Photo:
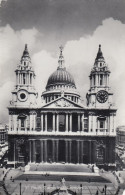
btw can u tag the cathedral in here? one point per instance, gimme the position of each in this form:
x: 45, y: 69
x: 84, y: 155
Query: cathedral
x: 62, y: 129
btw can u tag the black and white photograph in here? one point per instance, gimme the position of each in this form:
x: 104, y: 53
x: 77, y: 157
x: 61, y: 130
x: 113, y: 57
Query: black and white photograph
x: 62, y: 97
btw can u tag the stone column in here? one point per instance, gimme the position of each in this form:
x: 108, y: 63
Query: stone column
x: 90, y: 152
x: 114, y: 122
x: 110, y: 123
x: 45, y: 150
x: 29, y: 79
x: 57, y: 122
x: 81, y: 152
x: 71, y: 122
x: 41, y: 150
x: 46, y: 122
x: 66, y: 122
x: 94, y: 151
x: 30, y: 151
x: 66, y: 150
x: 90, y: 117
x: 77, y: 151
x: 57, y: 148
x: 53, y: 150
x: 70, y: 151
x: 34, y: 151
x: 82, y: 122
x: 22, y: 79
x: 41, y: 122
x: 53, y: 121
x: 34, y: 118
x: 16, y: 78
x: 78, y: 122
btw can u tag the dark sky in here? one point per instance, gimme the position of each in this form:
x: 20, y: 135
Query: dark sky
x: 60, y: 19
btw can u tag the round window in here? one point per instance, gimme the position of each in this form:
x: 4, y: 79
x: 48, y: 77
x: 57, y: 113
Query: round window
x: 22, y: 96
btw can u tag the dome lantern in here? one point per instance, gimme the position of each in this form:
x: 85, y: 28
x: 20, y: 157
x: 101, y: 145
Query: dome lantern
x: 61, y: 60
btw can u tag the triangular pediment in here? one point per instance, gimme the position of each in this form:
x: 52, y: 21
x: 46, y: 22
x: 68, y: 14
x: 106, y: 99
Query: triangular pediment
x: 62, y: 102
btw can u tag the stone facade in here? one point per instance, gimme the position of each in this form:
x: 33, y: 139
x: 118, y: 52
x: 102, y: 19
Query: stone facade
x: 62, y: 129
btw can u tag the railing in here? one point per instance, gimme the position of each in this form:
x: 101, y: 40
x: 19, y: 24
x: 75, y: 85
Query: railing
x: 84, y: 132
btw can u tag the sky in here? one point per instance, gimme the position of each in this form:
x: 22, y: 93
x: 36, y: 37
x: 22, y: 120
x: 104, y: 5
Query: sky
x: 80, y: 26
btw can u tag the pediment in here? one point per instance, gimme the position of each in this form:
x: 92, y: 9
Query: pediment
x: 62, y: 103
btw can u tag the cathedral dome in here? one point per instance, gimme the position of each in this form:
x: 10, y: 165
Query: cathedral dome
x: 60, y: 77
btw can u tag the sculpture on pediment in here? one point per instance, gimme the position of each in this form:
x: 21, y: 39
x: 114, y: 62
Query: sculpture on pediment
x: 63, y: 103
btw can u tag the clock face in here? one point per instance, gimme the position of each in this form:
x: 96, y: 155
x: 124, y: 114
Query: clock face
x: 102, y: 96
x: 22, y: 95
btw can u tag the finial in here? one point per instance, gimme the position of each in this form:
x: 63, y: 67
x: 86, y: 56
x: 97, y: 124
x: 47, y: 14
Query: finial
x: 99, y: 54
x: 25, y: 53
x: 26, y: 49
x: 61, y: 49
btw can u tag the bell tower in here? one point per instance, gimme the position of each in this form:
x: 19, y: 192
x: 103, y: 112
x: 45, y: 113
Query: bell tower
x: 24, y: 93
x: 99, y: 95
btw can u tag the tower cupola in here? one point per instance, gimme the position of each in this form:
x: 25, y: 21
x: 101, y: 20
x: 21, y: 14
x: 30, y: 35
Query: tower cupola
x: 99, y: 76
x: 24, y: 72
x: 99, y: 91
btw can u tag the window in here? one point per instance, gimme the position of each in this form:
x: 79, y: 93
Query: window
x: 62, y: 122
x: 102, y: 124
x: 22, y: 122
x: 101, y: 79
x: 24, y: 79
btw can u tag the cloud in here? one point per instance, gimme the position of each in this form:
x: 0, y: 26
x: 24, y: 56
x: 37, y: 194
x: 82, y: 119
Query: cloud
x: 79, y: 59
x: 44, y: 64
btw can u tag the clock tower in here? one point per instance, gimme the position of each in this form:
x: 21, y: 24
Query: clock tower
x: 24, y: 94
x: 99, y: 95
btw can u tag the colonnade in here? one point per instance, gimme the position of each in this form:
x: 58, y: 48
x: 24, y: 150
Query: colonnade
x: 96, y: 79
x: 20, y: 77
x: 72, y: 151
x: 55, y: 122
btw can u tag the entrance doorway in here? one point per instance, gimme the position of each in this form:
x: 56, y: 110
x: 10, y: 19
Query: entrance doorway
x: 61, y: 150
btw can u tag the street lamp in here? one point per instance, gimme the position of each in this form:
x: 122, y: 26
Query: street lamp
x: 20, y: 188
x: 105, y: 189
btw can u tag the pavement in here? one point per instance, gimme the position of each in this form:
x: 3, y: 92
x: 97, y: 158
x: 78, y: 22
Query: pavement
x: 81, y: 187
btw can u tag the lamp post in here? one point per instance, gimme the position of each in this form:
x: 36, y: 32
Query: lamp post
x: 44, y: 189
x: 14, y: 153
x: 20, y: 188
x: 105, y: 189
